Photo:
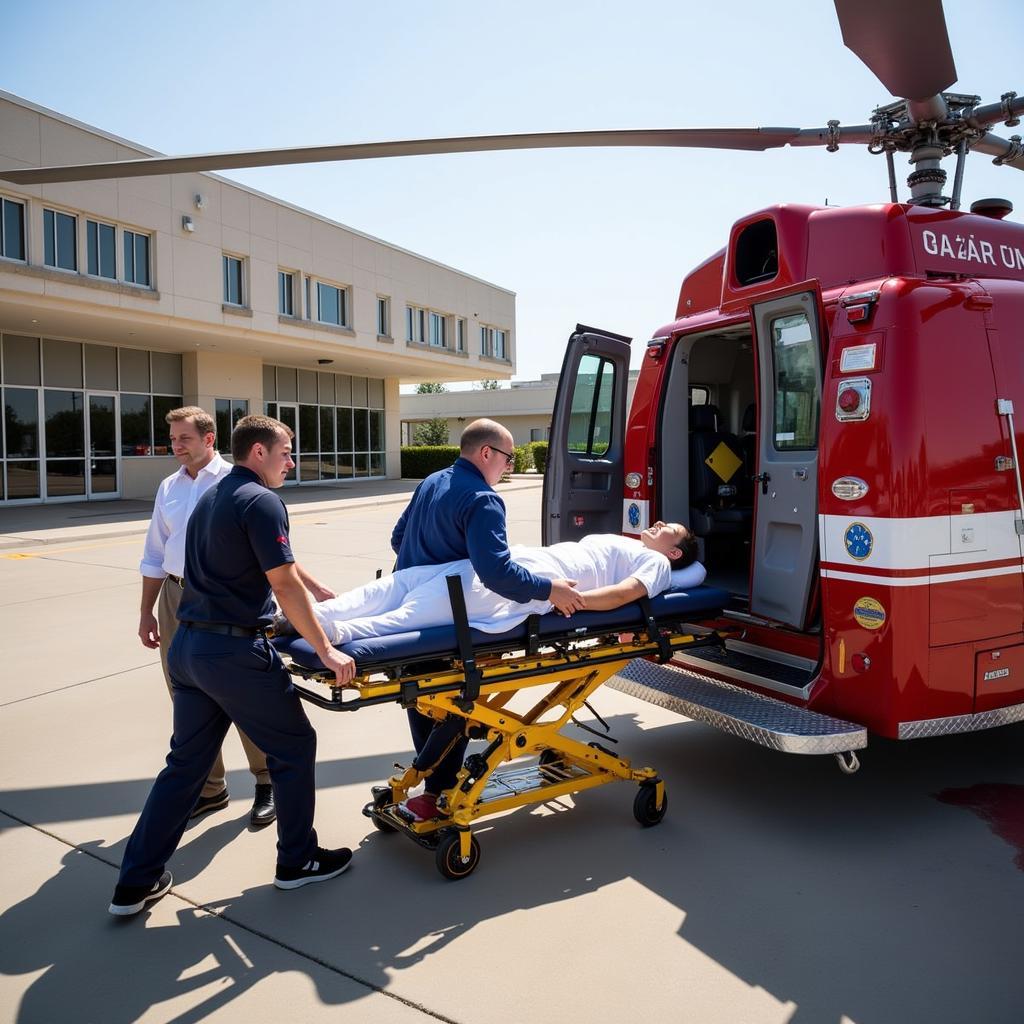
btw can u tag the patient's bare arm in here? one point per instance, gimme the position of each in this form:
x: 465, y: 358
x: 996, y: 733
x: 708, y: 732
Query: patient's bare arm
x: 603, y: 599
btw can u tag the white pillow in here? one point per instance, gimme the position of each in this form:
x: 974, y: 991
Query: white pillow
x: 692, y: 576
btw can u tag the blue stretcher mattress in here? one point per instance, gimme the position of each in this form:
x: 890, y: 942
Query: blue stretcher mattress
x: 377, y: 653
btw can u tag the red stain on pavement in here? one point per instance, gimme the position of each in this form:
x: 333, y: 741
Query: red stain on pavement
x: 1000, y: 805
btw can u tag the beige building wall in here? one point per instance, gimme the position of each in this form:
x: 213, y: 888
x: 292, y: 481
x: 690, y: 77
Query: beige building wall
x: 192, y: 221
x: 523, y: 408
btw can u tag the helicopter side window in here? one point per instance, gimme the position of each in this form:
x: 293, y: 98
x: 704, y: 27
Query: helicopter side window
x: 757, y: 253
x: 590, y: 425
x: 795, y: 363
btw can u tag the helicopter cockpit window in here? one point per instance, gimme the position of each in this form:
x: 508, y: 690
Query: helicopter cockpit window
x: 756, y: 257
x: 590, y: 424
x: 796, y: 399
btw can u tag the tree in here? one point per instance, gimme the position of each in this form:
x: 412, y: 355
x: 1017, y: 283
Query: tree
x: 431, y: 432
x: 489, y: 385
x: 431, y: 387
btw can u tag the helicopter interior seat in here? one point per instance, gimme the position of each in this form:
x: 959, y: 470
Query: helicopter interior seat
x: 716, y: 473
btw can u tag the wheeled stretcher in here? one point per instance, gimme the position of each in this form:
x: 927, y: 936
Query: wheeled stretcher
x: 467, y: 681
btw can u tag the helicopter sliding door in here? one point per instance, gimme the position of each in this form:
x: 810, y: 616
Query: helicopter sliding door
x: 583, y: 478
x: 785, y: 543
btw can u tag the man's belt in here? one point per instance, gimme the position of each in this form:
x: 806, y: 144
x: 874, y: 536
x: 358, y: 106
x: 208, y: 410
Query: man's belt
x: 224, y: 629
x: 176, y: 579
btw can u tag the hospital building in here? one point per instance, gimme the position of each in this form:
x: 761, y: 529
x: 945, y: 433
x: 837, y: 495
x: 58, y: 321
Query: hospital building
x: 124, y: 298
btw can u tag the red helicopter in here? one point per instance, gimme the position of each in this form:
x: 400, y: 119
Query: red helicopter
x: 831, y: 411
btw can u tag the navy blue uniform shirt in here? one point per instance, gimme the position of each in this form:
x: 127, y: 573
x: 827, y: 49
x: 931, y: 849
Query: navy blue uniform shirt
x: 455, y: 514
x: 236, y: 534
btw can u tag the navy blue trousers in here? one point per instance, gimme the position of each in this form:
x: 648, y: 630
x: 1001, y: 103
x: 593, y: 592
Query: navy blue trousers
x: 440, y: 748
x: 217, y: 680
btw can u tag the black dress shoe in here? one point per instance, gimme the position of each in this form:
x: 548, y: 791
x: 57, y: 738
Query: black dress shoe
x: 263, y: 810
x: 205, y: 804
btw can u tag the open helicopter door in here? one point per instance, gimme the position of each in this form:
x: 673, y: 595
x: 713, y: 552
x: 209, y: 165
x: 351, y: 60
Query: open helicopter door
x: 583, y: 478
x: 789, y: 332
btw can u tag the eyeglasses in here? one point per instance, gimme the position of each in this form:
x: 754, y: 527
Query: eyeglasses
x: 509, y: 459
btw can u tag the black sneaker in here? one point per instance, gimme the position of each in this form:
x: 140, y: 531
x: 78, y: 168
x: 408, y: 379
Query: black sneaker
x: 130, y: 899
x: 205, y: 804
x: 325, y: 864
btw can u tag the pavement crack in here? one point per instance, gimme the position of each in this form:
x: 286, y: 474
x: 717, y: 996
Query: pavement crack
x: 242, y: 926
x: 83, y: 682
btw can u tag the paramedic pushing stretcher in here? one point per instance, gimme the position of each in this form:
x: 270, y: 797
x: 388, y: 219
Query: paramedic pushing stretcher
x: 223, y: 670
x: 456, y: 514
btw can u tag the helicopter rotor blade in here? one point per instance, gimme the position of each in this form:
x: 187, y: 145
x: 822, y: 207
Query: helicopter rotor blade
x: 1010, y: 107
x: 905, y: 44
x: 1007, y: 153
x: 700, y: 138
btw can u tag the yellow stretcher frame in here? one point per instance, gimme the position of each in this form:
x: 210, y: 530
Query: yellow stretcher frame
x: 565, y: 765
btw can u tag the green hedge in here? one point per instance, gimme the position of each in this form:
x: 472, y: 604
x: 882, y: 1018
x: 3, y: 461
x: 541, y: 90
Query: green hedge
x: 539, y: 454
x: 421, y: 460
x: 523, y: 458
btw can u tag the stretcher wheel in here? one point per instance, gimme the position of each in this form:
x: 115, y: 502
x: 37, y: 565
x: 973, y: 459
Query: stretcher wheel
x: 645, y: 806
x: 449, y: 861
x: 382, y: 797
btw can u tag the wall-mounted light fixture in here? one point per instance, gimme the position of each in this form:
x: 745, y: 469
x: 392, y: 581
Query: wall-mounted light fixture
x: 186, y: 223
x: 325, y: 362
x: 199, y: 200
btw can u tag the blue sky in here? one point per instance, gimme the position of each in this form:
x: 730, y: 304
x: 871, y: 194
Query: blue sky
x: 594, y: 236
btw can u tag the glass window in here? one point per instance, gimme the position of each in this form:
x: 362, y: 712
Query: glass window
x: 285, y: 293
x: 331, y: 304
x: 136, y: 258
x: 22, y: 480
x: 99, y: 243
x: 383, y: 316
x: 309, y: 467
x: 346, y: 465
x: 486, y: 341
x: 136, y: 429
x: 134, y: 369
x: 101, y: 367
x: 590, y: 420
x: 343, y: 386
x: 269, y: 383
x: 460, y: 335
x: 501, y: 344
x: 62, y: 363
x: 162, y: 405
x: 344, y: 430
x: 65, y: 477
x: 227, y: 412
x: 438, y: 330
x: 287, y: 384
x: 361, y: 429
x: 327, y: 428
x: 410, y: 324
x: 362, y: 465
x: 377, y: 464
x: 377, y: 430
x: 21, y: 423
x: 65, y: 423
x: 359, y: 395
x: 309, y: 432
x: 12, y: 230
x: 21, y: 360
x: 795, y: 365
x: 375, y: 387
x: 233, y: 294
x: 309, y: 301
x: 60, y: 240
x: 167, y: 372
x: 325, y: 385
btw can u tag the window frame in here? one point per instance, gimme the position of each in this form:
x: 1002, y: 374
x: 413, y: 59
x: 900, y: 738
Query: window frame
x: 383, y: 316
x: 344, y: 304
x: 127, y: 233
x: 4, y: 200
x: 54, y: 213
x: 226, y: 259
x: 283, y: 274
x: 92, y: 222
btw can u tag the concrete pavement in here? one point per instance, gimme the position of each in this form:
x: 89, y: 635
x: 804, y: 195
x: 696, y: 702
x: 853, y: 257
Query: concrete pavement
x: 775, y: 890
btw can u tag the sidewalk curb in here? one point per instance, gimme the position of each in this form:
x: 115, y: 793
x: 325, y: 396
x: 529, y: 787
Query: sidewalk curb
x: 138, y: 527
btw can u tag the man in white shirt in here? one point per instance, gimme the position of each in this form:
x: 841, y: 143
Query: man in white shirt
x: 611, y: 571
x: 193, y: 437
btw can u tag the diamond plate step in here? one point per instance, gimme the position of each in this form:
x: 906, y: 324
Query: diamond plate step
x: 751, y: 716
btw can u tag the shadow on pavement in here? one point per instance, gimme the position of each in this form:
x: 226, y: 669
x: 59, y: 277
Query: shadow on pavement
x: 861, y: 897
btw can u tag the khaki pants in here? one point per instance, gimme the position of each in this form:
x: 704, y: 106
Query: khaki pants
x: 167, y: 622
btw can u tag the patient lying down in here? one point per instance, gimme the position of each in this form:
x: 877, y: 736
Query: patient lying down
x: 609, y: 570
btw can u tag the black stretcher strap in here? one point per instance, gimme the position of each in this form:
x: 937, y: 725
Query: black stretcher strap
x: 654, y: 634
x: 460, y: 617
x: 533, y: 634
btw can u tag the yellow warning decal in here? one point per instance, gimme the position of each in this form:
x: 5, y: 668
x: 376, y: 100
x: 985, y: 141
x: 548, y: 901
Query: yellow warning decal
x: 869, y: 613
x: 724, y: 462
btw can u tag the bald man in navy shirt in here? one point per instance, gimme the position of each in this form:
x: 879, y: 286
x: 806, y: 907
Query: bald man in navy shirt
x: 454, y: 514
